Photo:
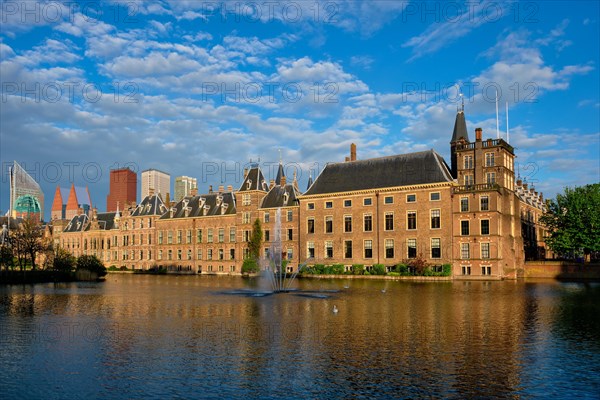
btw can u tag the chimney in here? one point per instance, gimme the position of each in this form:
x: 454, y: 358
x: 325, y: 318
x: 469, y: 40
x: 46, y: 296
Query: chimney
x: 283, y: 180
x: 229, y: 188
x: 347, y: 159
x: 95, y: 213
x: 478, y: 132
x: 519, y: 182
x: 221, y: 188
x: 525, y: 187
x: 209, y: 188
x: 151, y: 192
x: 194, y: 191
x: 352, y: 152
x: 271, y: 183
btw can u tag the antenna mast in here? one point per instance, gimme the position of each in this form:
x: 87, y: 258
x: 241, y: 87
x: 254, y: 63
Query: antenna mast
x: 497, y: 122
x: 507, y: 134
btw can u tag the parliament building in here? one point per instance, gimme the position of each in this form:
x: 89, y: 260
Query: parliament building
x: 473, y: 214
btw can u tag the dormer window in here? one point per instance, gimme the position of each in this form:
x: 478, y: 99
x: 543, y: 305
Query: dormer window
x: 248, y: 184
x: 185, y: 203
x: 206, y: 209
x: 172, y: 211
x: 224, y: 208
x: 286, y: 197
x: 187, y: 210
x: 202, y: 202
x: 219, y: 199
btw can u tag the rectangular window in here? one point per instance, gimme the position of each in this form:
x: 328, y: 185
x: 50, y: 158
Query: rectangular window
x: 436, y: 248
x: 329, y: 224
x: 160, y: 238
x: 232, y: 235
x: 435, y: 196
x: 188, y: 236
x: 485, y: 250
x: 310, y: 206
x: 329, y: 204
x: 232, y: 254
x: 466, y: 270
x: 435, y: 219
x: 179, y: 235
x: 347, y: 203
x: 464, y: 228
x: 246, y: 218
x: 170, y: 255
x: 347, y: 223
x: 221, y: 254
x: 464, y: 204
x: 209, y: 237
x: 411, y: 198
x: 348, y: 249
x: 490, y: 178
x: 368, y: 249
x: 290, y: 216
x: 246, y: 200
x: 486, y: 270
x: 310, y: 225
x: 198, y: 235
x: 469, y: 180
x: 160, y: 254
x: 246, y: 236
x: 169, y: 237
x: 389, y: 248
x: 199, y: 255
x: 389, y: 221
x: 310, y: 249
x: 267, y: 235
x: 368, y: 225
x: 266, y: 218
x: 290, y: 234
x: 367, y: 201
x: 329, y: 249
x: 290, y: 253
x: 484, y: 203
x: 489, y: 159
x: 465, y: 254
x: 468, y: 164
x: 388, y: 200
x: 412, y: 248
x: 189, y: 254
x: 411, y: 220
x: 221, y: 235
x: 179, y: 254
x: 485, y: 226
x: 209, y: 254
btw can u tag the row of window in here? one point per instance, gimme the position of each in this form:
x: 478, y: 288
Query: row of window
x: 199, y: 236
x: 267, y: 217
x: 490, y: 161
x: 484, y: 204
x: 267, y: 234
x: 389, y: 248
x: 133, y: 225
x: 210, y: 254
x: 490, y: 178
x: 411, y: 222
x: 368, y: 201
x: 485, y: 270
x: 484, y: 227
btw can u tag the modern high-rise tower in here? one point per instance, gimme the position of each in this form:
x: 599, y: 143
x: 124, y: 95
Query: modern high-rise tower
x: 123, y: 189
x: 26, y: 196
x: 183, y: 186
x: 155, y: 181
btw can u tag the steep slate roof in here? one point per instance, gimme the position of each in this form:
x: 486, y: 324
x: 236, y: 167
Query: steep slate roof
x: 150, y: 205
x: 400, y: 170
x: 280, y: 174
x: 254, y: 181
x: 310, y: 181
x: 203, y: 205
x: 77, y: 224
x: 460, y: 127
x: 106, y: 220
x: 277, y: 197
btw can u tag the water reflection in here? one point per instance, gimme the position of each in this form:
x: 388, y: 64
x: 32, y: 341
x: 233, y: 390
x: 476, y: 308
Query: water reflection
x: 167, y: 336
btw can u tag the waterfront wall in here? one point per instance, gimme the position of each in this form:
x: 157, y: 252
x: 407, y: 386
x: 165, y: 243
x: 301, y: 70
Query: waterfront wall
x: 380, y: 277
x: 560, y: 270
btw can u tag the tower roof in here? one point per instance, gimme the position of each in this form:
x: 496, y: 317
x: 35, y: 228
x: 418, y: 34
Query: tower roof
x: 280, y: 174
x: 72, y: 203
x: 460, y: 127
x: 254, y: 181
x: 58, y: 200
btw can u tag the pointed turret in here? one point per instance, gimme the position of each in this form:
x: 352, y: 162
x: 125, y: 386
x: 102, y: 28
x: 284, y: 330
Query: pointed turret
x: 459, y: 134
x: 310, y: 181
x: 57, y: 205
x: 72, y: 204
x: 280, y: 174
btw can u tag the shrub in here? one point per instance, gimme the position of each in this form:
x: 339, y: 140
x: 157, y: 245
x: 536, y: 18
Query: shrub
x: 113, y: 268
x: 378, y: 269
x: 393, y: 273
x: 358, y: 269
x: 63, y: 261
x: 92, y: 264
x: 403, y: 270
x: 250, y: 266
x: 338, y: 269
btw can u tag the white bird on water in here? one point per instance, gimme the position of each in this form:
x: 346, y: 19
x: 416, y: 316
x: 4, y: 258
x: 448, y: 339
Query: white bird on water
x: 335, y: 309
x: 382, y: 290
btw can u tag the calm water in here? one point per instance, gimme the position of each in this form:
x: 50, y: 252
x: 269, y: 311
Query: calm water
x: 184, y: 337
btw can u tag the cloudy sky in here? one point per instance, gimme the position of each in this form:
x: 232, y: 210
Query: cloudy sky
x: 201, y: 88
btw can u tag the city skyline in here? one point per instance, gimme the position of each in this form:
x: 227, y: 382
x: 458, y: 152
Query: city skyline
x: 201, y: 92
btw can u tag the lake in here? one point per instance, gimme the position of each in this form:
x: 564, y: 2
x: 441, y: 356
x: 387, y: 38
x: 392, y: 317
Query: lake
x: 143, y: 336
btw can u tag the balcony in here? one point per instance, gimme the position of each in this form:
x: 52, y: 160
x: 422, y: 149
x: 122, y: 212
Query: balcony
x: 481, y: 187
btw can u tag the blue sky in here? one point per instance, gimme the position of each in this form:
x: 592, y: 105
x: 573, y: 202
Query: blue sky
x: 201, y: 88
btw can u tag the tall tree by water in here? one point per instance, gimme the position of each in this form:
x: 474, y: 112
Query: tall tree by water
x: 573, y: 221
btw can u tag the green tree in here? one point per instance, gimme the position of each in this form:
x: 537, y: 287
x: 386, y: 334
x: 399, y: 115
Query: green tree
x: 28, y: 241
x: 6, y: 257
x: 63, y: 260
x: 92, y: 264
x: 573, y: 221
x: 255, y: 240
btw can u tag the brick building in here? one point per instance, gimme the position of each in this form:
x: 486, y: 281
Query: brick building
x: 471, y: 214
x: 122, y: 189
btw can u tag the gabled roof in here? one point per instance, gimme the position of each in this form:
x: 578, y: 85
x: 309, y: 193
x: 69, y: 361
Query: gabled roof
x: 460, y: 128
x: 150, y: 205
x: 254, y: 181
x: 281, y: 196
x: 203, y: 205
x: 77, y: 224
x: 393, y: 171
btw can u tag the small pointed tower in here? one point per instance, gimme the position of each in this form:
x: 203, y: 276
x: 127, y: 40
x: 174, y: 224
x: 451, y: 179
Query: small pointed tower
x: 310, y: 180
x: 57, y: 205
x: 280, y: 172
x: 72, y: 204
x: 459, y: 135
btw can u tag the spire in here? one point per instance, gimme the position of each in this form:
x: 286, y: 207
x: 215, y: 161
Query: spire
x: 460, y: 127
x: 57, y: 205
x: 72, y: 204
x: 280, y: 174
x: 310, y: 181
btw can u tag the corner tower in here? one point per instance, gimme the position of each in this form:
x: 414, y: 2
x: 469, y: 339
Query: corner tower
x: 459, y: 137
